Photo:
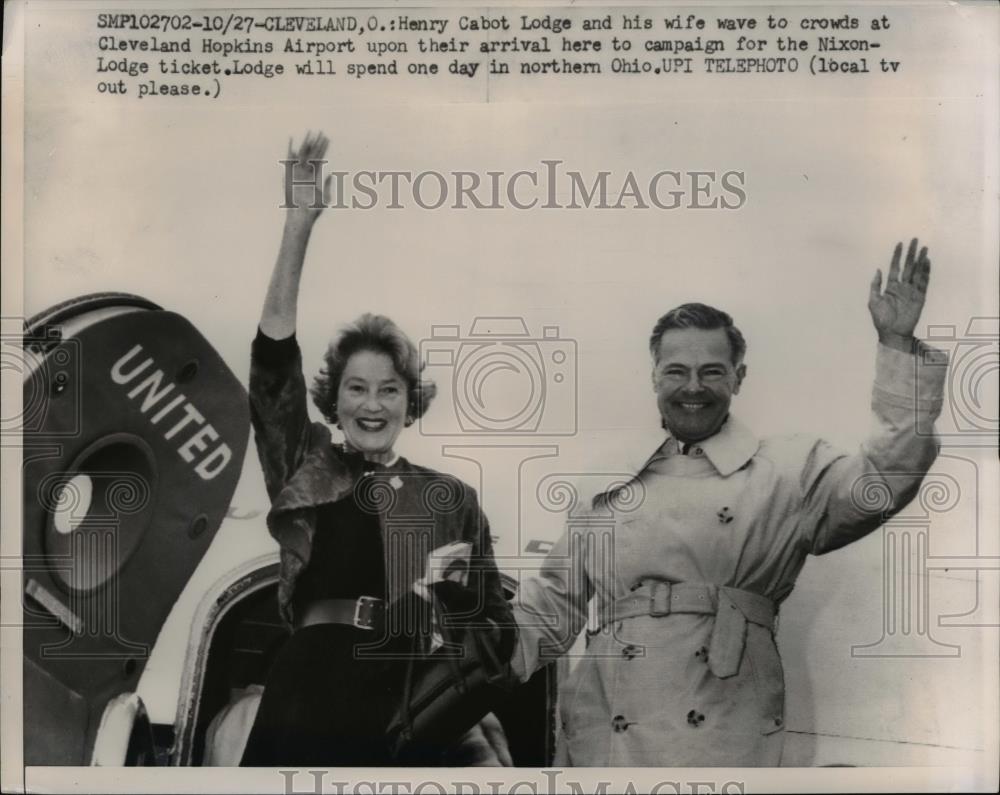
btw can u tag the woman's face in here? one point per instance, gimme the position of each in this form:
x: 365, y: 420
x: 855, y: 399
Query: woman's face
x: 371, y: 404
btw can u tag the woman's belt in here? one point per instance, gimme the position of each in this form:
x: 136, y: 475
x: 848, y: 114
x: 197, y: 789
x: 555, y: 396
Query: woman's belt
x: 365, y: 612
x: 731, y: 607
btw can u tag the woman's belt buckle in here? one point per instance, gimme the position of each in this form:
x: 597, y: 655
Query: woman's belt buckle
x: 659, y: 599
x: 366, y: 612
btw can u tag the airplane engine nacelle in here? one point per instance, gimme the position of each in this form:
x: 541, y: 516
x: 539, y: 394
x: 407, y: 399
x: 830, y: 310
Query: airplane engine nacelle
x: 134, y: 433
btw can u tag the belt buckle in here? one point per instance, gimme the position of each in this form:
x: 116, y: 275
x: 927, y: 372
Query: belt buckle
x: 659, y: 599
x: 364, y: 612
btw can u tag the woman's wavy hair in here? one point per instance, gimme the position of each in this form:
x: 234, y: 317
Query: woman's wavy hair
x: 378, y: 334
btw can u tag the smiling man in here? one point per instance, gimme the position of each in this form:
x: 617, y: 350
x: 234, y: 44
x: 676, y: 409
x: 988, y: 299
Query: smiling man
x: 689, y: 561
x: 698, y: 367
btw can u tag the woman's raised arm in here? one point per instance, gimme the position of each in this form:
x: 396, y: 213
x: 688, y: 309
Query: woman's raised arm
x: 306, y: 195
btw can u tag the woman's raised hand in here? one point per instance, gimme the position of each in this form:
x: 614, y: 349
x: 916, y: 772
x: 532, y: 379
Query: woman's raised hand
x: 307, y: 193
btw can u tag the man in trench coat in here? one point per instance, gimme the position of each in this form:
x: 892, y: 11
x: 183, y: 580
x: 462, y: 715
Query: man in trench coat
x: 685, y: 671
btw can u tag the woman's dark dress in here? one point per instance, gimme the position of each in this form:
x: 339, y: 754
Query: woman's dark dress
x: 322, y: 705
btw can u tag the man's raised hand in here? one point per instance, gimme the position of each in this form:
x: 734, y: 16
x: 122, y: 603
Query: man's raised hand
x: 896, y: 310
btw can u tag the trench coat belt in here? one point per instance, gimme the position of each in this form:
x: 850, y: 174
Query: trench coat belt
x: 732, y: 609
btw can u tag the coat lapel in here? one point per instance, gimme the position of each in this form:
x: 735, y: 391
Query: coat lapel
x: 323, y: 477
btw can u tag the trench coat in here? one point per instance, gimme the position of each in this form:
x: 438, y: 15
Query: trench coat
x: 688, y: 563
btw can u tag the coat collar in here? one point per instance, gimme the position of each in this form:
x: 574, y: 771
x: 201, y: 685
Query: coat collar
x: 628, y: 456
x: 327, y: 474
x: 728, y: 450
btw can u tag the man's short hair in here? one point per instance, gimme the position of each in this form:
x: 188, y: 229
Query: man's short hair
x: 699, y: 316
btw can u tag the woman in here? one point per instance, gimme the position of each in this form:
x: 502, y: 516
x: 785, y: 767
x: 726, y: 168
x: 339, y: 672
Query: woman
x: 355, y: 521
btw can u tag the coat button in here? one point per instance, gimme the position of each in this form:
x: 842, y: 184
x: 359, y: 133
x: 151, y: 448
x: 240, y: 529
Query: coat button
x: 702, y: 654
x: 778, y: 721
x: 619, y: 724
x: 695, y: 718
x: 630, y: 652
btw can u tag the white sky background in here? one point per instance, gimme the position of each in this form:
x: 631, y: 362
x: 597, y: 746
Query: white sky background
x: 177, y: 201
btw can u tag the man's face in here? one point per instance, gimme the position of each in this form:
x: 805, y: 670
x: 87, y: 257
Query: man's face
x: 695, y: 379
